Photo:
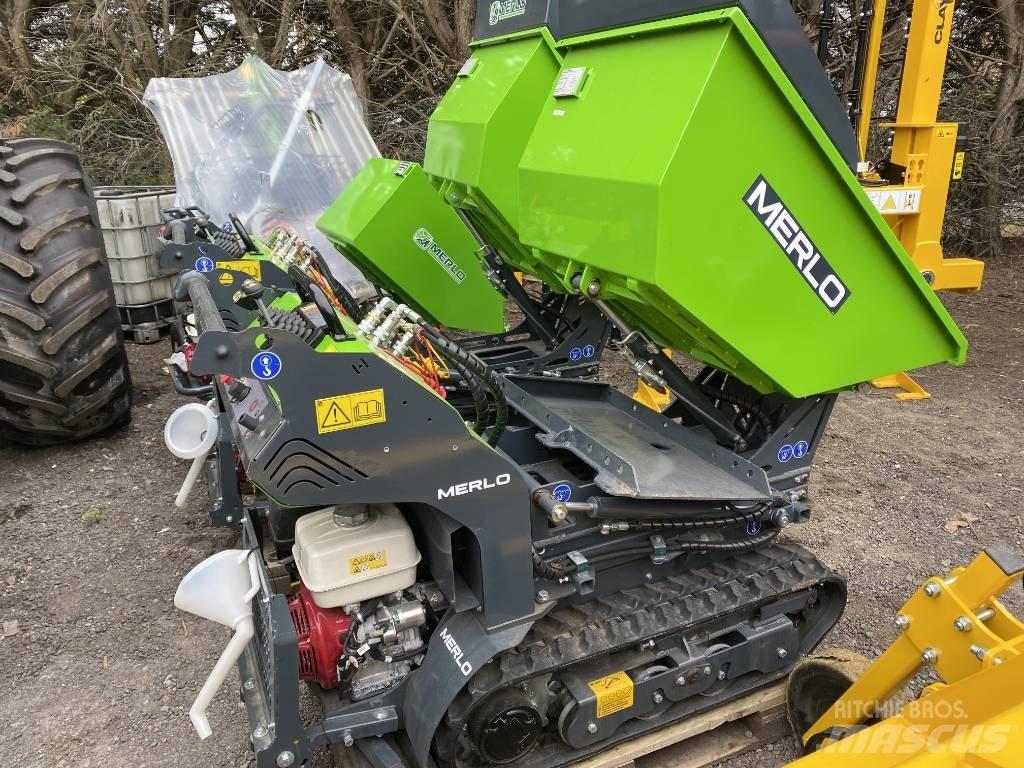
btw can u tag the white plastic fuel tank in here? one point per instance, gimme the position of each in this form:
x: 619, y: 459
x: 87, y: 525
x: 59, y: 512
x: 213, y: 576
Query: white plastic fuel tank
x: 350, y: 553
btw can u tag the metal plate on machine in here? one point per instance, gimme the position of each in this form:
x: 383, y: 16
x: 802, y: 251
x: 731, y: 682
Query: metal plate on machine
x: 570, y: 82
x: 635, y: 451
x: 257, y: 405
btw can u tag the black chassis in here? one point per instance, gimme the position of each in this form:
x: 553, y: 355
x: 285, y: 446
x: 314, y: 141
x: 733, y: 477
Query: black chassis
x: 477, y: 550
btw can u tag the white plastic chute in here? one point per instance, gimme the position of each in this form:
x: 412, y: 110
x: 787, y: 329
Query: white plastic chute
x: 220, y: 589
x: 271, y: 147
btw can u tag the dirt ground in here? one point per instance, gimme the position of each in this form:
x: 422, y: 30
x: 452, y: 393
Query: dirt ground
x: 100, y: 669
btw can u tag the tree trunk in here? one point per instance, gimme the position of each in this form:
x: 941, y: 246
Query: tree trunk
x: 1010, y: 14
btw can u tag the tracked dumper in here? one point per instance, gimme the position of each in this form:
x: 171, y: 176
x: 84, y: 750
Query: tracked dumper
x: 476, y: 557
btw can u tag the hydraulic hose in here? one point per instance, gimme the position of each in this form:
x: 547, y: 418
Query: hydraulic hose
x: 632, y: 551
x: 742, y: 403
x: 478, y: 392
x: 545, y: 569
x: 619, y: 508
x: 348, y: 302
x: 700, y: 524
x: 477, y: 371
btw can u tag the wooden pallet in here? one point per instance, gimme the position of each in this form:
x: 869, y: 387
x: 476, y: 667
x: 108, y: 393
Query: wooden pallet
x: 697, y: 742
x: 703, y: 740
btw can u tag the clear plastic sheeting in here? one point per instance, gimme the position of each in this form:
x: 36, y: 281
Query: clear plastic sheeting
x: 274, y: 148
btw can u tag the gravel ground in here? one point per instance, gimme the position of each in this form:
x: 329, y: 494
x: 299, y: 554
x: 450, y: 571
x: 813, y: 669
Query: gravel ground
x: 100, y: 669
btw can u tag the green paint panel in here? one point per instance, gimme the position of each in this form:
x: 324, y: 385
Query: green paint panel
x: 482, y: 124
x: 640, y: 183
x: 399, y: 232
x: 479, y: 130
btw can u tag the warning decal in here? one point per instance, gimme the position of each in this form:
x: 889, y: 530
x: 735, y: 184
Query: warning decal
x: 359, y: 409
x: 958, y: 166
x: 369, y: 561
x: 614, y: 693
x: 252, y: 267
x: 896, y: 200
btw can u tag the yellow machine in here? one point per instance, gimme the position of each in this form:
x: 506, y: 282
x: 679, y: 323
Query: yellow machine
x: 926, y: 156
x: 974, y: 717
x: 924, y: 151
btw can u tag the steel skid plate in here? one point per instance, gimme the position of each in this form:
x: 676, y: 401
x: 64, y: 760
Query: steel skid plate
x: 636, y: 452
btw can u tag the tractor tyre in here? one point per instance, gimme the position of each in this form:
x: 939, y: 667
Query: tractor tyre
x: 63, y: 369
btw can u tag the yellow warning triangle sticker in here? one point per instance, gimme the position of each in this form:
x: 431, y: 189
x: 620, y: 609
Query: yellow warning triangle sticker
x: 335, y: 417
x: 355, y: 409
x: 889, y: 204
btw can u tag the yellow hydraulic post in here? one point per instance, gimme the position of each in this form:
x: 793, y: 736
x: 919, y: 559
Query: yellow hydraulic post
x: 867, y: 94
x: 927, y: 152
x: 925, y: 149
x: 958, y: 626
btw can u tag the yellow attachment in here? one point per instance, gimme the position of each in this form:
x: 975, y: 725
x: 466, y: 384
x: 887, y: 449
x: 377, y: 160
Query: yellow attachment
x: 911, y: 390
x: 976, y: 722
x: 921, y: 145
x: 927, y: 152
x: 655, y: 398
x: 958, y: 625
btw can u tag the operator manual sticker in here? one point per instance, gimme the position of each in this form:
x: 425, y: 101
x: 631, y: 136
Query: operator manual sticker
x: 359, y: 409
x: 775, y: 216
x: 614, y: 693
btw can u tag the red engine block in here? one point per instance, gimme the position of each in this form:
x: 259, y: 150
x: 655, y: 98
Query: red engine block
x: 322, y: 633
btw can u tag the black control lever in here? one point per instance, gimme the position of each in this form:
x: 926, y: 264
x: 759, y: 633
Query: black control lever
x: 243, y: 234
x: 250, y: 296
x: 330, y: 317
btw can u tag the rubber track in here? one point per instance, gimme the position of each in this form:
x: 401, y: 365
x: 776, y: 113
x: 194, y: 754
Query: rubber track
x: 63, y: 369
x: 582, y: 632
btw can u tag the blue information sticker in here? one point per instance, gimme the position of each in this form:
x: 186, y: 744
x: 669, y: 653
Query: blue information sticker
x: 266, y: 365
x: 800, y: 449
x: 562, y: 492
x: 785, y: 453
x: 588, y: 351
x: 754, y: 527
x: 575, y: 353
x: 204, y: 264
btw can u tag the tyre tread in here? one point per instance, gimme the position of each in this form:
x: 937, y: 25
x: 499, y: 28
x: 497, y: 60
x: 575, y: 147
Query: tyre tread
x: 63, y: 368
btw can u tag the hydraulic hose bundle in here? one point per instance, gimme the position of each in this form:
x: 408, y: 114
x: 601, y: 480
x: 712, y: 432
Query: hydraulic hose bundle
x: 654, y: 518
x: 481, y: 381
